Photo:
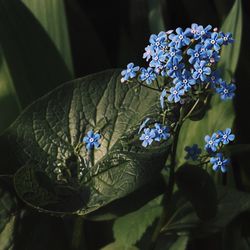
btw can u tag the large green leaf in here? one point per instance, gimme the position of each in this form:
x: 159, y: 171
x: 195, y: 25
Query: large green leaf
x: 46, y: 134
x: 34, y: 63
x: 129, y: 229
x: 221, y: 114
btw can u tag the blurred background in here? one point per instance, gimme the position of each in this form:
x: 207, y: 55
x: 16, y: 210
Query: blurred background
x: 45, y: 43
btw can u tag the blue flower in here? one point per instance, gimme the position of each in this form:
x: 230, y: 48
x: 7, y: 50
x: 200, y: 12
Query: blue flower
x: 214, y: 78
x: 212, y: 142
x: 92, y: 140
x: 163, y: 94
x: 225, y: 90
x: 158, y: 41
x: 158, y: 58
x: 147, y: 75
x: 197, y: 54
x: 227, y: 38
x: 161, y: 132
x: 174, y: 68
x: 174, y: 53
x: 149, y: 52
x: 199, y: 32
x: 226, y: 136
x: 202, y: 33
x: 181, y: 39
x: 201, y: 70
x: 195, y: 30
x: 185, y: 79
x: 192, y: 152
x: 176, y: 92
x: 147, y: 137
x: 143, y: 125
x: 214, y: 42
x: 130, y: 72
x: 219, y: 162
x: 214, y: 56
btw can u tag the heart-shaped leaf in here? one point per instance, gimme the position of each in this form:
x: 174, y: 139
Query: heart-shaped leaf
x: 45, y: 137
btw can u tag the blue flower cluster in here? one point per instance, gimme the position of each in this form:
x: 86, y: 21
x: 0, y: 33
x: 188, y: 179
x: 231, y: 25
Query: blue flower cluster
x: 218, y: 139
x: 92, y: 140
x: 214, y: 143
x: 213, y: 147
x: 158, y: 133
x: 187, y: 56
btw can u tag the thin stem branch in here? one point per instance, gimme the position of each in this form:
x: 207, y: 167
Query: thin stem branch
x: 146, y: 86
x: 167, y: 198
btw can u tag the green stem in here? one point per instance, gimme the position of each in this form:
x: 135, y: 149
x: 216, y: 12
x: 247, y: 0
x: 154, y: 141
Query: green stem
x: 78, y: 238
x: 146, y: 86
x: 167, y: 198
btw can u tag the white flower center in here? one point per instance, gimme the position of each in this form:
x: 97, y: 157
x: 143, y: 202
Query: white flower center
x: 224, y: 136
x: 146, y: 137
x: 157, y: 43
x: 180, y: 37
x: 175, y: 67
x: 196, y: 54
x: 172, y: 53
x: 175, y: 92
x: 210, y: 142
x: 200, y: 71
x: 213, y: 41
x: 219, y: 163
x: 159, y: 131
x: 225, y: 38
x: 225, y: 91
x: 185, y: 81
x: 91, y: 139
x: 202, y: 32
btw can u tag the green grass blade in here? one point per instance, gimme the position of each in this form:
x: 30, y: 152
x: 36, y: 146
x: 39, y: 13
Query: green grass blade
x: 51, y: 15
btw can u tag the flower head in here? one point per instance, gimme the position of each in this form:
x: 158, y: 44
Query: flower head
x: 174, y: 68
x: 147, y: 137
x: 219, y: 162
x: 192, y: 152
x: 198, y: 53
x: 158, y: 41
x: 161, y: 132
x: 201, y: 70
x: 130, y: 72
x: 180, y: 39
x: 176, y: 92
x: 227, y: 38
x: 147, y: 75
x: 92, y: 140
x: 226, y: 136
x: 212, y: 142
x: 225, y: 90
x: 214, y: 42
x: 185, y: 79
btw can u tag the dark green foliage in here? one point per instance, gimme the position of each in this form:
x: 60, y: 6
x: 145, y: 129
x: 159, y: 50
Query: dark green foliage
x: 199, y: 188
